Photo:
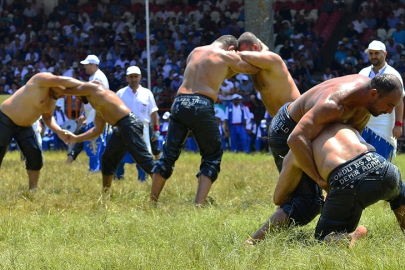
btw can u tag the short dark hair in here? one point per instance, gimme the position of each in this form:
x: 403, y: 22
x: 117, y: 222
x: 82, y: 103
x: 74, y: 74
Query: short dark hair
x: 386, y: 84
x: 227, y: 40
x: 248, y: 39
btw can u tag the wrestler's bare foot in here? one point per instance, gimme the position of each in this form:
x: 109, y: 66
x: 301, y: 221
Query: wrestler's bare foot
x: 250, y: 242
x: 358, y: 234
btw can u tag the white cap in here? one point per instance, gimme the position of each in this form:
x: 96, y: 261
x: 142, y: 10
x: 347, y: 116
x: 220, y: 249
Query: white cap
x: 290, y: 60
x: 301, y: 47
x: 244, y: 78
x: 175, y: 74
x: 90, y: 59
x: 166, y: 115
x: 236, y: 96
x: 60, y: 102
x: 133, y: 70
x: 377, y: 46
x: 30, y: 66
x: 263, y: 123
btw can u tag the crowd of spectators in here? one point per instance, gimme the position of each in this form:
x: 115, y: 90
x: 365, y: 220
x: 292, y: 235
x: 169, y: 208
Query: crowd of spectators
x: 376, y: 20
x: 32, y: 41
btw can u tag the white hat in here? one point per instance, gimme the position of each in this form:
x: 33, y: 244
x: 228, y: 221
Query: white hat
x: 30, y: 66
x: 236, y: 96
x: 301, y: 47
x: 341, y: 43
x: 175, y: 74
x: 244, y: 78
x: 166, y: 115
x: 263, y: 123
x: 90, y: 59
x: 377, y: 46
x: 133, y: 70
x: 60, y: 102
x: 290, y: 60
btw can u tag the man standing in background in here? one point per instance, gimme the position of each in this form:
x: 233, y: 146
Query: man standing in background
x: 94, y: 148
x: 141, y: 102
x: 382, y: 132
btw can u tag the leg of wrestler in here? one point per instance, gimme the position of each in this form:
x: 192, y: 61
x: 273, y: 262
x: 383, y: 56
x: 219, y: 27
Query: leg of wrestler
x: 208, y: 138
x: 340, y: 216
x: 288, y: 180
x: 113, y: 154
x: 33, y: 154
x: 177, y: 134
x: 279, y: 218
x: 132, y: 136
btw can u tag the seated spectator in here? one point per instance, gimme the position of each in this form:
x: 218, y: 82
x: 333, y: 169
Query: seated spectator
x: 370, y: 21
x: 287, y: 52
x: 328, y: 6
x: 359, y: 25
x: 226, y: 91
x: 392, y: 21
x: 176, y: 82
x: 400, y: 65
x: 328, y: 74
x: 399, y: 34
x: 349, y: 59
x: 285, y: 12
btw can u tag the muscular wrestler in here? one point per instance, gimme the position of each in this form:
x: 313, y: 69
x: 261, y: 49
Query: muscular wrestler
x: 22, y: 109
x: 193, y: 110
x: 128, y: 133
x: 357, y: 177
x: 273, y: 80
x: 349, y: 99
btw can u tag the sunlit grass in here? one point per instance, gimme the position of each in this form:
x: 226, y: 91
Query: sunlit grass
x: 69, y: 224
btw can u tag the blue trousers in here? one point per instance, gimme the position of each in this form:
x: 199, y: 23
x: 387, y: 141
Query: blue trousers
x: 239, y: 138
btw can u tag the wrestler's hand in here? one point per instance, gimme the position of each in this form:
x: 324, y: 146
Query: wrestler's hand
x: 96, y: 82
x: 397, y: 132
x: 81, y: 120
x: 64, y: 135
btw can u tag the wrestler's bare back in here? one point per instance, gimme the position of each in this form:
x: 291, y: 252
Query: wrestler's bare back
x: 207, y: 67
x: 335, y: 145
x: 28, y: 103
x: 106, y: 103
x: 336, y: 92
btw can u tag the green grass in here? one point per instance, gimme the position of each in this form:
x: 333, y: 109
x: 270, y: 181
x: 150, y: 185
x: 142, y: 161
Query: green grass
x: 69, y: 224
x: 3, y: 98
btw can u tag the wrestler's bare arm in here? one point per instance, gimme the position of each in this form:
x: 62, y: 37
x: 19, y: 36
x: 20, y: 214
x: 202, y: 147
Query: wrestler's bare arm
x: 300, y: 139
x: 50, y: 122
x: 262, y: 60
x: 237, y: 64
x: 288, y: 180
x: 399, y: 111
x: 99, y: 125
x: 49, y: 80
x: 85, y: 89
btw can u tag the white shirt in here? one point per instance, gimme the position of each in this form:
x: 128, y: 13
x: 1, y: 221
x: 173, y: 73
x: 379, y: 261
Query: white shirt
x: 237, y: 114
x: 141, y: 103
x: 383, y: 124
x: 90, y: 112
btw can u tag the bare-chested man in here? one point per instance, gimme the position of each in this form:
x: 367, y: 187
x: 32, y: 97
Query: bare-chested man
x: 357, y: 177
x: 127, y: 135
x: 350, y: 100
x: 273, y: 81
x: 193, y: 110
x: 22, y: 109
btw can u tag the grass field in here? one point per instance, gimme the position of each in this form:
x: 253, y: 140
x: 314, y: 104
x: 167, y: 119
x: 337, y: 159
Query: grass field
x: 69, y: 224
x: 3, y: 98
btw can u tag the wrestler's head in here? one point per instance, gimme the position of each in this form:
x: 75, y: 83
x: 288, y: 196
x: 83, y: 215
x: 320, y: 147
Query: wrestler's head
x: 229, y: 42
x: 386, y: 92
x: 248, y: 42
